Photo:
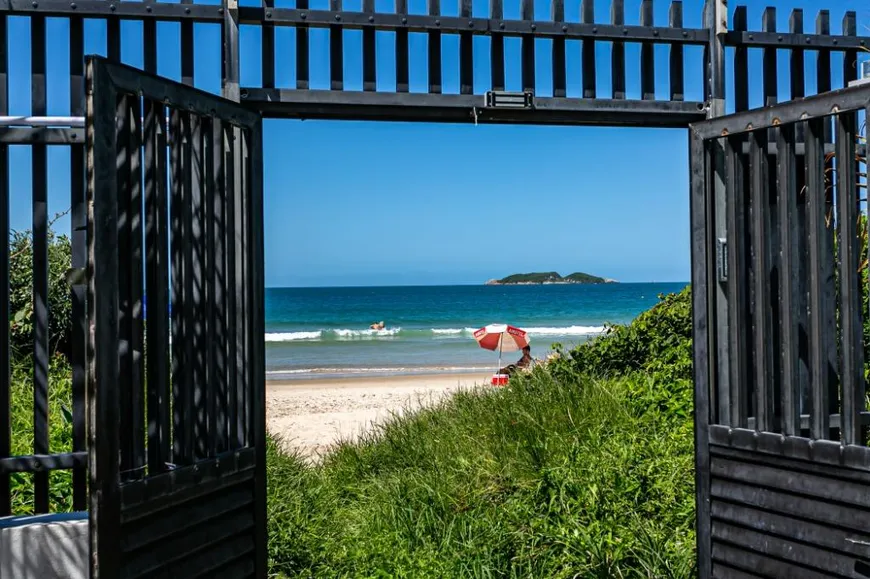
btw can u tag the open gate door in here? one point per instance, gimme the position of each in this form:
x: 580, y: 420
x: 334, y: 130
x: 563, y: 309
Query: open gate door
x: 780, y: 282
x: 176, y: 414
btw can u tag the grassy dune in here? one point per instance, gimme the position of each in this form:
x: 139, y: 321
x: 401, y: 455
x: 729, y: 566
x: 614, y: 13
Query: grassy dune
x: 563, y: 474
x: 543, y: 479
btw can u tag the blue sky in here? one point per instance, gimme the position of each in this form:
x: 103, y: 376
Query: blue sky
x: 380, y: 203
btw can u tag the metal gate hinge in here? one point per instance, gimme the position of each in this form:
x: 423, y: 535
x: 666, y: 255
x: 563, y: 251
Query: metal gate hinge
x: 722, y: 259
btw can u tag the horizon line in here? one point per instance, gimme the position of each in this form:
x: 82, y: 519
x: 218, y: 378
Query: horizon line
x: 687, y: 282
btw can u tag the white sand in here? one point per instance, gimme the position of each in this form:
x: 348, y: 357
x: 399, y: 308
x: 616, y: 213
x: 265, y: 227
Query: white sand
x: 312, y: 415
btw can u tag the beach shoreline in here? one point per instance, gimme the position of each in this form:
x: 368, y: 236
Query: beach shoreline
x: 310, y: 416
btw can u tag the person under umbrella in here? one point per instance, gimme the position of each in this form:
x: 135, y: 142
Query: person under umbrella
x: 522, y: 363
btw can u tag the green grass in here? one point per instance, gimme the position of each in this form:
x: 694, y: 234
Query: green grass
x: 60, y: 432
x: 542, y: 479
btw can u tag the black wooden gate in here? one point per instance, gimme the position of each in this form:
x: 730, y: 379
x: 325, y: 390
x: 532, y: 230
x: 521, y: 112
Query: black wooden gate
x: 780, y: 286
x: 176, y: 370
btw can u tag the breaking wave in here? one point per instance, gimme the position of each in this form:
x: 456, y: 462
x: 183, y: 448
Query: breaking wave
x: 345, y: 334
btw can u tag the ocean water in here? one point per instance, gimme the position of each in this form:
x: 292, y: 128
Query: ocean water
x: 317, y: 332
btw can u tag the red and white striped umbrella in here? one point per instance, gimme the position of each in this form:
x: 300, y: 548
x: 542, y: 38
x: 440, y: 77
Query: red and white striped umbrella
x: 501, y: 337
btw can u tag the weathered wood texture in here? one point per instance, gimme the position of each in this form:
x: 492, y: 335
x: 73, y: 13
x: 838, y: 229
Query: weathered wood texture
x: 785, y: 465
x: 782, y: 517
x: 157, y: 488
x: 664, y: 96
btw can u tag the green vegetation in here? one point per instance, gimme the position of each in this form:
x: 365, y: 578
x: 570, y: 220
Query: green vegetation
x: 581, y: 469
x: 580, y: 277
x: 549, y: 277
x: 59, y: 375
x: 21, y: 292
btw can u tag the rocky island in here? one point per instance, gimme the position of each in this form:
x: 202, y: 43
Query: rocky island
x: 549, y: 278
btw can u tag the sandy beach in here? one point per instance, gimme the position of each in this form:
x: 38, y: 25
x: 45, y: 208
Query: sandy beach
x: 312, y: 415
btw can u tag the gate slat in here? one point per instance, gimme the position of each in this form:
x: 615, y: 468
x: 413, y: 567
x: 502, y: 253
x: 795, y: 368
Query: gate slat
x: 781, y: 557
x: 402, y: 50
x: 39, y: 184
x: 496, y: 47
x: 244, y: 259
x: 527, y: 47
x: 819, y: 267
x: 745, y: 559
x: 434, y: 49
x: 198, y: 339
x: 189, y: 305
x: 187, y: 62
x: 768, y: 58
x: 234, y: 350
x: 796, y: 58
x: 617, y: 55
x: 677, y: 82
x: 336, y: 49
x: 647, y: 55
x: 466, y: 52
x: 587, y: 16
x: 850, y: 56
x: 823, y: 59
x: 5, y: 365
x: 241, y: 306
x: 721, y: 570
x: 267, y: 48
x: 851, y: 344
x: 741, y: 64
x: 113, y: 38
x: 302, y: 47
x: 760, y: 212
x: 218, y: 298
x: 790, y: 525
x: 369, y: 59
x: 737, y: 299
x: 125, y: 348
x: 178, y: 211
x: 135, y: 265
x: 79, y: 260
x: 157, y: 284
x: 210, y: 257
x: 786, y: 203
x: 254, y: 190
x: 557, y: 14
x: 809, y: 508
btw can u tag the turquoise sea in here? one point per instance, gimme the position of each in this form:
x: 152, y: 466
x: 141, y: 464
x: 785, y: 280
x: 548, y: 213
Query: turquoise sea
x: 318, y: 332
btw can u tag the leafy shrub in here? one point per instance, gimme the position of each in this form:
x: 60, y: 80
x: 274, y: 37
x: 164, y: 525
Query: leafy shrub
x: 656, y: 346
x: 21, y: 292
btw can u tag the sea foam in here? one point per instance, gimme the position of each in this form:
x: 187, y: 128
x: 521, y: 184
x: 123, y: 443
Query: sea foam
x: 343, y: 334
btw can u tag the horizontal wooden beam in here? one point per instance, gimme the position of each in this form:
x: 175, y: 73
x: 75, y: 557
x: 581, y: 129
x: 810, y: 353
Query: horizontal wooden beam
x: 750, y: 39
x: 44, y: 462
x: 118, y: 9
x: 455, y: 108
x: 41, y: 136
x: 480, y: 26
x: 822, y: 105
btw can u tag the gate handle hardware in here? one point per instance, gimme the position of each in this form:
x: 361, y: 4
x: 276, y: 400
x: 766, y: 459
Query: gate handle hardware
x: 500, y: 99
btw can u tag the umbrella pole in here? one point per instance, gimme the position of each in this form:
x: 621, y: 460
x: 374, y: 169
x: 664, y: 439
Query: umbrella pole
x: 499, y: 354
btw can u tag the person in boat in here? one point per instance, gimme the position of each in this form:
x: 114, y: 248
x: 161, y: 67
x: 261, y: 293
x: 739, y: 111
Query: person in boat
x: 377, y: 326
x: 522, y: 363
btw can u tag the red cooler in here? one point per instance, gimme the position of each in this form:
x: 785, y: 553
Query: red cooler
x: 499, y: 379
